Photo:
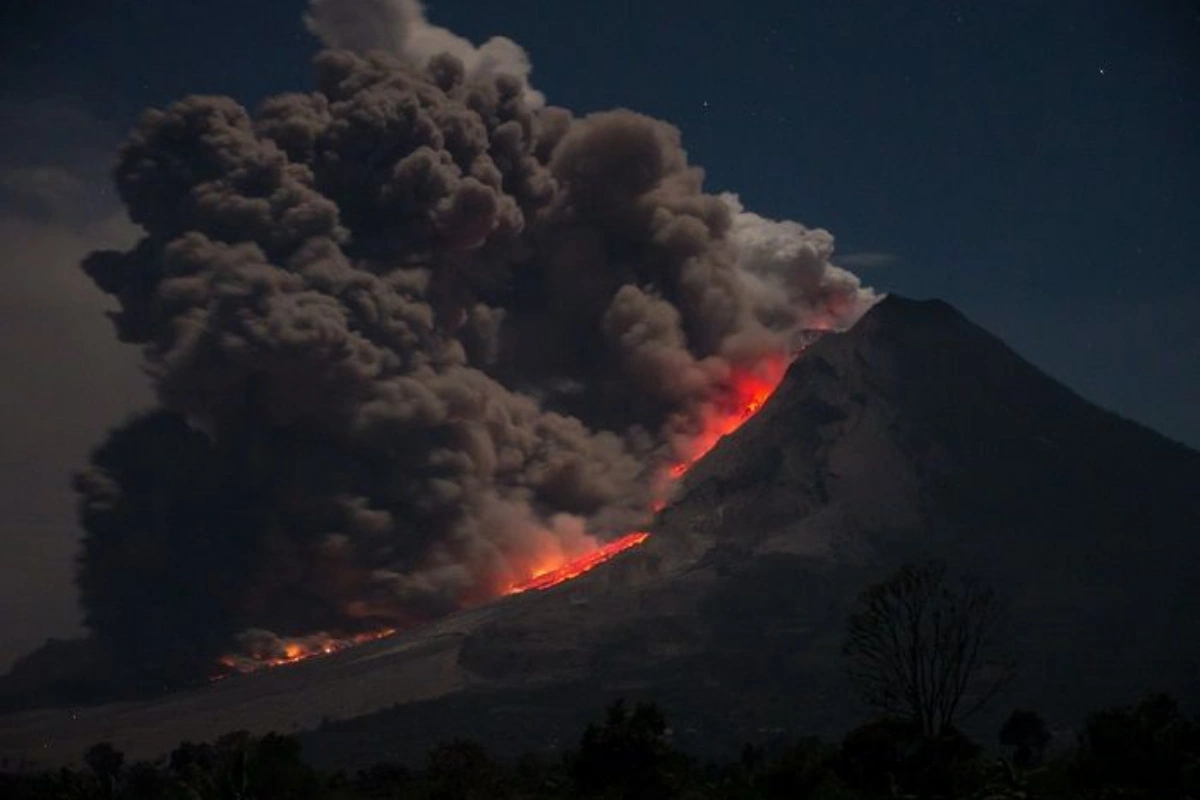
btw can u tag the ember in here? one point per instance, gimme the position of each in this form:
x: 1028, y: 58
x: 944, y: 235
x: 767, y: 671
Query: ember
x: 554, y: 575
x: 748, y: 392
x: 275, y: 651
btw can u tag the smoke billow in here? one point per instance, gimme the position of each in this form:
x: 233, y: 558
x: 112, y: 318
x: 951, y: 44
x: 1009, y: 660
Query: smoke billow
x: 410, y: 333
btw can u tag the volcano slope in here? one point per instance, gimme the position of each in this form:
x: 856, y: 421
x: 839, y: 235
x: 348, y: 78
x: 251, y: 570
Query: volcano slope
x: 914, y: 435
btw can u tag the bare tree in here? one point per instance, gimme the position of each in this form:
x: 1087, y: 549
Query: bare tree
x: 924, y: 649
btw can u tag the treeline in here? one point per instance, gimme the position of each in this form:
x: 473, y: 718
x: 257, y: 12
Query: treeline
x: 1150, y: 751
x: 921, y: 650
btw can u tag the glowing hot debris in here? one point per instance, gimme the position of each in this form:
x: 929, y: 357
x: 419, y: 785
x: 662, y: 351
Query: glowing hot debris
x: 748, y: 392
x: 573, y: 569
x: 282, y: 651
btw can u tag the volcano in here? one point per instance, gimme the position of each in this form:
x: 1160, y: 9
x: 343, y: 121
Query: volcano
x: 915, y: 434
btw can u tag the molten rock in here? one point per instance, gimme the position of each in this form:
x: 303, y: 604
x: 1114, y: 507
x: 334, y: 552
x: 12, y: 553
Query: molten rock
x: 412, y: 332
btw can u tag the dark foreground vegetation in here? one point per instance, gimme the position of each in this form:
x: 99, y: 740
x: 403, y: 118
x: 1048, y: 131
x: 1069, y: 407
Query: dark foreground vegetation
x: 921, y: 650
x: 1149, y: 751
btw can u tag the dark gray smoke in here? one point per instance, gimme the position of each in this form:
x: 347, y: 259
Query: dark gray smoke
x: 411, y: 333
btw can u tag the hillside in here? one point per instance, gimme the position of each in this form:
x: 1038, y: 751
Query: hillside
x: 915, y: 434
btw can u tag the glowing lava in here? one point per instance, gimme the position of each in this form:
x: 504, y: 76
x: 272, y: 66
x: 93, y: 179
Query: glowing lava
x: 549, y: 576
x: 747, y: 391
x: 291, y: 650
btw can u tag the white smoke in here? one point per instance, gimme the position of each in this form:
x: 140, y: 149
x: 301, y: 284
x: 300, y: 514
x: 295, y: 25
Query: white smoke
x: 787, y: 271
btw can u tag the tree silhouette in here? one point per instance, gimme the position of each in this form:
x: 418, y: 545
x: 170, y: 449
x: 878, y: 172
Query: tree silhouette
x: 1151, y: 747
x: 892, y: 757
x: 463, y: 770
x: 921, y: 648
x: 105, y: 762
x: 629, y: 756
x: 1025, y: 733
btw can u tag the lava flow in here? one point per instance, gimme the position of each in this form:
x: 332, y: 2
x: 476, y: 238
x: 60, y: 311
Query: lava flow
x: 290, y: 650
x: 553, y: 575
x: 748, y: 392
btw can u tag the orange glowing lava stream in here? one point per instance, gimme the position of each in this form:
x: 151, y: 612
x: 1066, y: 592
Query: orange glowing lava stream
x: 748, y: 391
x: 298, y: 649
x: 573, y: 569
x: 747, y: 394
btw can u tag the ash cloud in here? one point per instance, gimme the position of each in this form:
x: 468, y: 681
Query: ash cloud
x: 399, y: 27
x: 410, y: 333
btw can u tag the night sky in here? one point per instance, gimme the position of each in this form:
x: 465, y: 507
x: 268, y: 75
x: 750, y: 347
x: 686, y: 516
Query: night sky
x: 1033, y: 163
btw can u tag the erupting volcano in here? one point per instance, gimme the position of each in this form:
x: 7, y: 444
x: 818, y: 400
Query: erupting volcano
x: 748, y: 392
x: 552, y: 575
x: 737, y: 601
x: 419, y: 340
x: 750, y: 389
x: 270, y: 651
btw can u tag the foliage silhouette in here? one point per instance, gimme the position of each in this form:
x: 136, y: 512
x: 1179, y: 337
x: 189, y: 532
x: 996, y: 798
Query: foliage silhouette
x: 627, y: 756
x: 921, y: 648
x: 1150, y: 751
x: 1025, y: 734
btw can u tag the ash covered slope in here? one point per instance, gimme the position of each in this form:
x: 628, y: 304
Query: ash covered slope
x: 921, y: 434
x: 914, y: 434
x: 918, y: 420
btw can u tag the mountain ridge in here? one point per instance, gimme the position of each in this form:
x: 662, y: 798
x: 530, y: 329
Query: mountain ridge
x: 916, y: 434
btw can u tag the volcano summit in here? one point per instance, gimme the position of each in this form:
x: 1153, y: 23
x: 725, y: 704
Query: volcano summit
x: 914, y: 434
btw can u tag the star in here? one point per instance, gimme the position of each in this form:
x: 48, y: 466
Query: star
x: 1101, y: 70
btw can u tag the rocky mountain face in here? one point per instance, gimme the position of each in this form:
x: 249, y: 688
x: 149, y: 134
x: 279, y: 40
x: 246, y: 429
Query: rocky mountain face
x: 914, y: 435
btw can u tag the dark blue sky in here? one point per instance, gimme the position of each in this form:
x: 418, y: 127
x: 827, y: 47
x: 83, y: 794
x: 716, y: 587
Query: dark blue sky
x: 1034, y: 163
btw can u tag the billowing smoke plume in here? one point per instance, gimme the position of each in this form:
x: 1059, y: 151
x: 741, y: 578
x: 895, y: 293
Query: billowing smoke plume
x: 411, y: 332
x: 399, y: 27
